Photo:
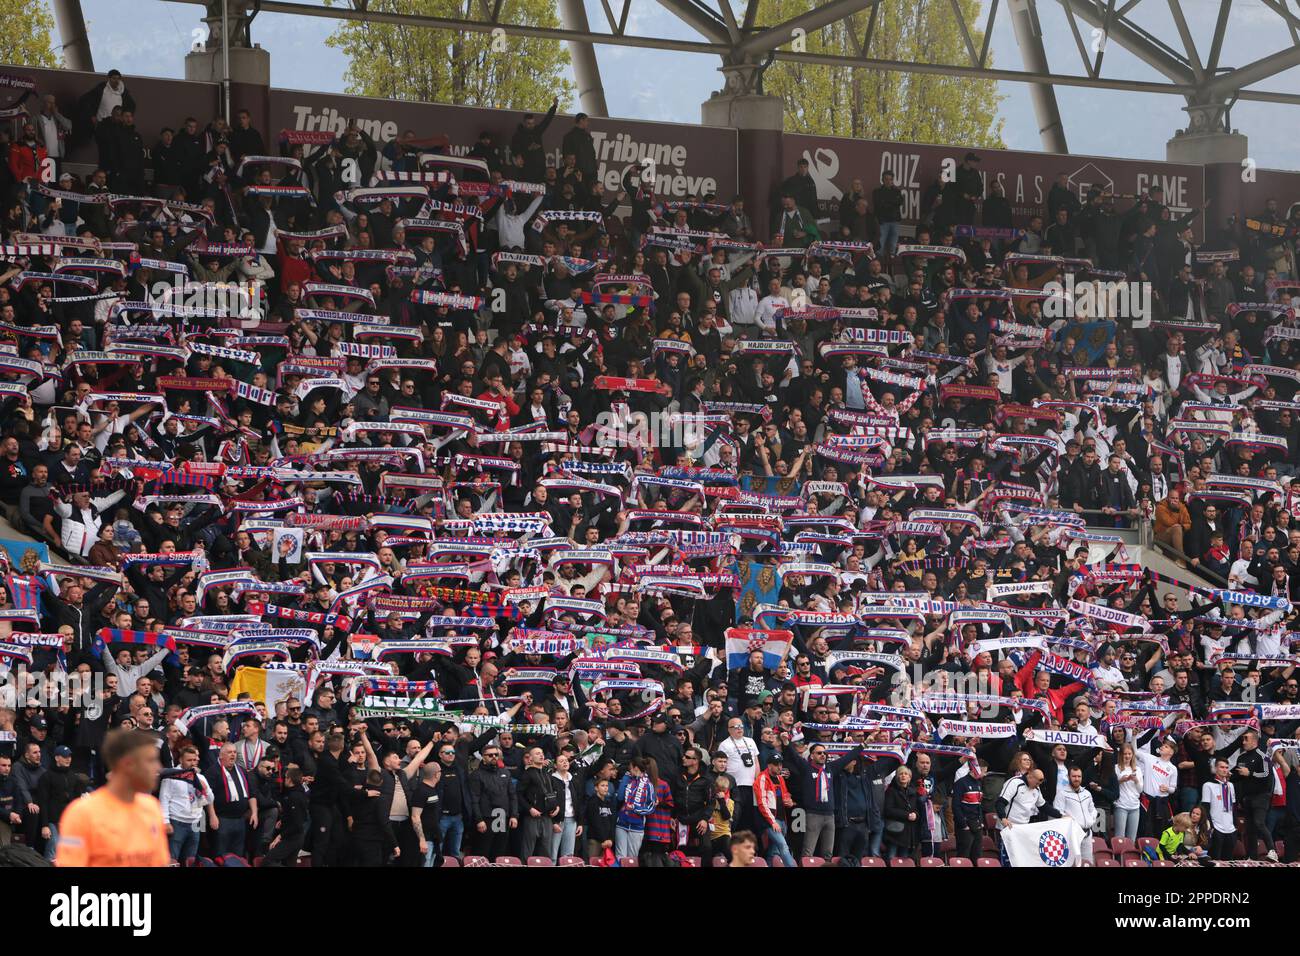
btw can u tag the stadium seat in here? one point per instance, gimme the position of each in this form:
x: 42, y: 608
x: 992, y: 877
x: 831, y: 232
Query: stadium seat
x: 1128, y: 857
x: 777, y: 862
x: 1136, y: 862
x: 1145, y: 843
x: 988, y: 844
x: 987, y: 862
x: 628, y: 861
x: 540, y: 861
x: 812, y: 862
x: 572, y: 861
x: 872, y: 861
x: 902, y: 861
x: 694, y: 861
x: 719, y: 860
x: 759, y: 862
x: 1121, y: 845
x: 990, y: 822
x: 475, y: 861
x: 509, y: 861
x: 450, y: 862
x: 1108, y: 861
x: 960, y: 862
x: 930, y: 862
x: 1100, y: 849
x: 948, y: 846
x: 1164, y: 863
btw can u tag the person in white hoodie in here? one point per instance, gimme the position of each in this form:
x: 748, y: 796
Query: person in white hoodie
x: 510, y: 221
x: 1075, y: 801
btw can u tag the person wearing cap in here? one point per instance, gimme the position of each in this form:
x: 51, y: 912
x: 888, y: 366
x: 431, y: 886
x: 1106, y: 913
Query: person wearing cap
x: 58, y: 787
x: 663, y: 746
x: 773, y: 804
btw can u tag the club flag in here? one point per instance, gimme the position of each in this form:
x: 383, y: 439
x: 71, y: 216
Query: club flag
x: 1052, y: 843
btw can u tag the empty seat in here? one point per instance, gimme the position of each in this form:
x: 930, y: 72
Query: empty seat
x: 474, y: 861
x: 572, y: 861
x: 960, y: 862
x: 812, y: 861
x: 931, y: 861
x: 509, y: 861
x: 540, y: 861
x: 450, y: 861
x: 989, y: 861
x: 628, y: 861
x: 902, y: 861
x: 1121, y: 845
x: 872, y: 861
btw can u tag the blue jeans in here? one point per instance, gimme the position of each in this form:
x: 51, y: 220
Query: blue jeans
x: 1126, y: 822
x: 874, y: 841
x: 230, y: 836
x: 627, y: 843
x: 889, y: 237
x: 562, y: 842
x: 452, y: 831
x: 183, y: 843
x: 52, y: 844
x: 777, y: 845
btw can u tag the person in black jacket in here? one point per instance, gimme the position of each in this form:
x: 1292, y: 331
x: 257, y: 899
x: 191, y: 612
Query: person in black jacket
x: 578, y: 143
x: 292, y: 825
x: 494, y: 807
x: 455, y: 791
x: 887, y: 201
x: 327, y: 798
x: 692, y: 790
x: 372, y: 839
x: 600, y: 814
x: 93, y: 103
x: 901, y: 817
x: 1253, y: 777
x: 527, y: 142
x: 57, y: 788
x: 539, y: 804
x: 234, y: 802
x: 663, y: 745
x: 858, y: 824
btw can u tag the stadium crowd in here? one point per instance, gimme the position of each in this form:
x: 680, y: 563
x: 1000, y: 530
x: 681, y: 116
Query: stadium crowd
x: 431, y: 508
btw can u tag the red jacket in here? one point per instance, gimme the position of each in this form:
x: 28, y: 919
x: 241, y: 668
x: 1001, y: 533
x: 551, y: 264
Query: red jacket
x: 1056, y: 697
x: 25, y: 161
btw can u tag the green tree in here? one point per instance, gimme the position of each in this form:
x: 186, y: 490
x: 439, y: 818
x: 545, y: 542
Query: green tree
x: 463, y: 67
x: 26, y: 39
x: 880, y: 104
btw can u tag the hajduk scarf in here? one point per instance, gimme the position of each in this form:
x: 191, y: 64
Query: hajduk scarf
x: 193, y: 715
x: 959, y: 703
x: 971, y: 728
x: 1067, y: 738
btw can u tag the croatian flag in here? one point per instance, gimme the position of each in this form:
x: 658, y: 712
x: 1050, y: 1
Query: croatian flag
x: 741, y: 641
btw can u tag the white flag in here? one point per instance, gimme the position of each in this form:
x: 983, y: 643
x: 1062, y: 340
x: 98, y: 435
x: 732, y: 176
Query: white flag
x: 1051, y: 843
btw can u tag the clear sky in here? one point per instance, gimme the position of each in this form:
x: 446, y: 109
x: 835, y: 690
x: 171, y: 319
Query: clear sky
x: 150, y: 37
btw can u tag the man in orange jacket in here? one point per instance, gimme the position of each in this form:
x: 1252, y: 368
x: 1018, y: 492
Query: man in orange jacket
x: 1173, y: 520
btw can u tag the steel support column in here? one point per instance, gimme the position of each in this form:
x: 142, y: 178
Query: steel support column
x: 586, y: 71
x: 1029, y: 37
